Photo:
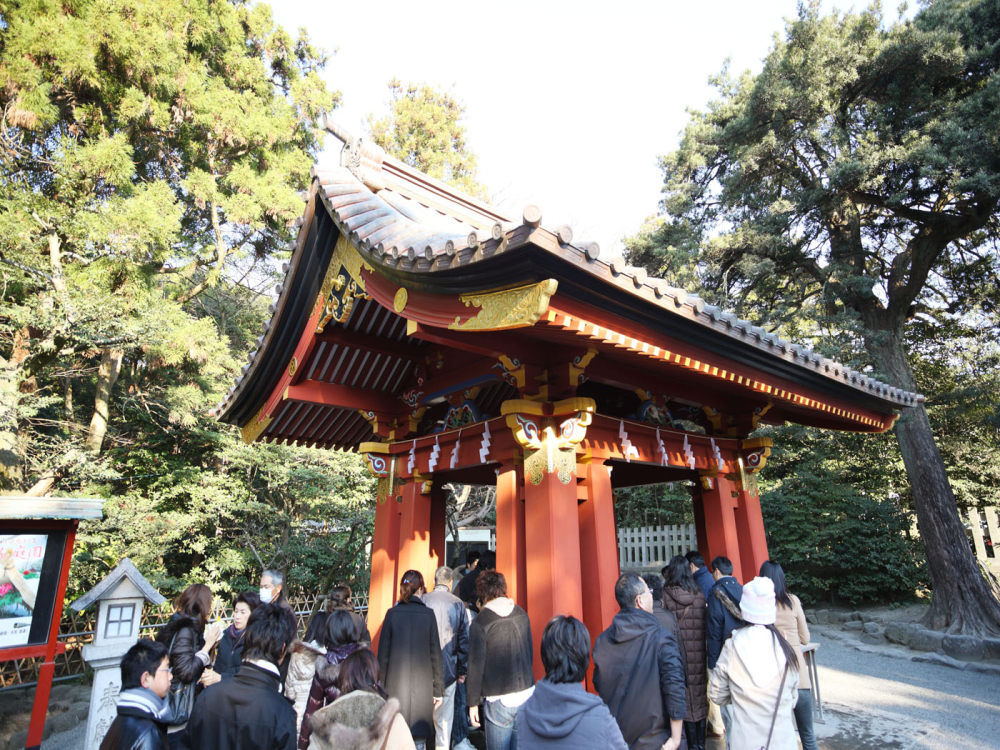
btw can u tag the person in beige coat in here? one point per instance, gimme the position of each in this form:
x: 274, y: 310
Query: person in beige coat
x: 757, y: 673
x: 791, y: 623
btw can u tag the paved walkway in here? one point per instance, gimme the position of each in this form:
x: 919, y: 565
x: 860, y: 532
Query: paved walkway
x: 878, y: 697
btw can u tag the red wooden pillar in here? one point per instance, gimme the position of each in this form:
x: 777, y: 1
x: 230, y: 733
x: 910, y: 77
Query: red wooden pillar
x: 750, y: 527
x: 439, y: 499
x: 719, y: 505
x: 510, y: 532
x: 598, y: 551
x: 385, y: 553
x: 415, y: 533
x: 552, y: 536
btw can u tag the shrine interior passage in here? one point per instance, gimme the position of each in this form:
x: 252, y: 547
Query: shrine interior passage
x: 450, y: 343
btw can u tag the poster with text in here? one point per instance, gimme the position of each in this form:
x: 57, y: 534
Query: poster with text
x: 21, y: 557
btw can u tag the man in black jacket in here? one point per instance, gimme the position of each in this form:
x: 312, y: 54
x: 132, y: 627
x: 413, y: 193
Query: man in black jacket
x: 142, y: 708
x: 722, y: 616
x: 638, y: 671
x: 248, y: 711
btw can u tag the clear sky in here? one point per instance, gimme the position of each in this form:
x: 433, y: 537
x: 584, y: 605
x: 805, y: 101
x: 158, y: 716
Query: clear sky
x: 568, y: 104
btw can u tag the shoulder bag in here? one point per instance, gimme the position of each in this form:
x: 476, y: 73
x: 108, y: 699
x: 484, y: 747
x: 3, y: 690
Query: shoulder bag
x: 777, y: 705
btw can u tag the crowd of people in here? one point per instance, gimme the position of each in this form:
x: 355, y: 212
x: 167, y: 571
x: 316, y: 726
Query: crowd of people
x: 690, y: 653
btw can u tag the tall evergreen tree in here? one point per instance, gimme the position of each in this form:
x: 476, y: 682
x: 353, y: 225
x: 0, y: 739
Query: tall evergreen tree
x: 424, y: 129
x: 859, y: 172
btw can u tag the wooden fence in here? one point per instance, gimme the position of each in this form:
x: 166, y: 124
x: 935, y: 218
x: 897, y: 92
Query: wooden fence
x: 77, y: 630
x: 653, y: 546
x: 985, y: 541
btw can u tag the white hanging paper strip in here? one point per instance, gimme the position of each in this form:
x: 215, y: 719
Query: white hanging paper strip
x: 454, y: 451
x: 484, y: 446
x: 412, y: 462
x: 628, y: 450
x: 688, y: 453
x: 432, y: 462
x: 717, y: 454
x: 661, y: 449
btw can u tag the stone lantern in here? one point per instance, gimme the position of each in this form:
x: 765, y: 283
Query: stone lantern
x: 120, y: 597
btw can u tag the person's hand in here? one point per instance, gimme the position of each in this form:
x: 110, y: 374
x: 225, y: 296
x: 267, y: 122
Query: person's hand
x: 474, y: 716
x: 438, y: 702
x: 671, y: 744
x: 210, y: 677
x: 213, y: 633
x: 461, y: 680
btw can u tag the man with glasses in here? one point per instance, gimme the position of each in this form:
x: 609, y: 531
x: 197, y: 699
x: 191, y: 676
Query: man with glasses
x: 142, y: 706
x: 638, y: 671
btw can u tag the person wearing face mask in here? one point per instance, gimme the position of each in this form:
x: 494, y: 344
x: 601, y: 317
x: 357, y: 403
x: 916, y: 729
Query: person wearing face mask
x: 230, y: 653
x: 272, y: 589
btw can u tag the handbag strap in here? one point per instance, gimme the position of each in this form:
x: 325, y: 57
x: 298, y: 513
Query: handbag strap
x: 777, y: 704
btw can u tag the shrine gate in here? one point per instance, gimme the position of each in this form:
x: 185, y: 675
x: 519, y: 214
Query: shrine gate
x: 449, y: 343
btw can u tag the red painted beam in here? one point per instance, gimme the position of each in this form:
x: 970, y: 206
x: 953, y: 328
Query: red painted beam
x: 345, y: 397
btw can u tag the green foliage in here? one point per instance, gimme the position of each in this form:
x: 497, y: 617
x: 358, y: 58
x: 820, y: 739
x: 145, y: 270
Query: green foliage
x: 152, y: 154
x: 653, y: 505
x: 423, y: 129
x: 834, y: 520
x: 847, y: 196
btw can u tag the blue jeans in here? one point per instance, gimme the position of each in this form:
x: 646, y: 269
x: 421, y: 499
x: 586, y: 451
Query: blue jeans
x: 804, y: 720
x: 460, y: 729
x: 500, y: 726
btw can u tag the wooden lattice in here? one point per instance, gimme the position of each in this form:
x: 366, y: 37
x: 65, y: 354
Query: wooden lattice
x: 77, y: 630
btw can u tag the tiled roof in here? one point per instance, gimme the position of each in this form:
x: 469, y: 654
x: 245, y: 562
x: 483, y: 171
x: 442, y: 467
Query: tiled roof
x: 400, y: 218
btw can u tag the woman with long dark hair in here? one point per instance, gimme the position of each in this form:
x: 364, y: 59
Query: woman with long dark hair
x: 340, y: 598
x: 341, y: 640
x: 189, y: 639
x: 791, y: 623
x: 409, y: 658
x: 758, y: 673
x: 683, y: 596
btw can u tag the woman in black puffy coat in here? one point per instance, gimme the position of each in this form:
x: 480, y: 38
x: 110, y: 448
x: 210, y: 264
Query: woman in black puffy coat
x: 188, y: 641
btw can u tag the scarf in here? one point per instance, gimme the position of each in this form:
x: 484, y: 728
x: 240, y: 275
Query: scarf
x: 147, y: 701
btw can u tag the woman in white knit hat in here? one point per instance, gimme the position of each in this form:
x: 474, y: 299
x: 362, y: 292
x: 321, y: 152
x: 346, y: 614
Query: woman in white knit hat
x: 757, y: 672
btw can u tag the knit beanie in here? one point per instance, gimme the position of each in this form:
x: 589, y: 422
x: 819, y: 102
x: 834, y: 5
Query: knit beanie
x: 757, y: 604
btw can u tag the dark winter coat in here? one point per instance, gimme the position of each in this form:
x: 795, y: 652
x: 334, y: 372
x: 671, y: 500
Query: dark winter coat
x: 703, y: 577
x: 229, y: 655
x: 466, y: 589
x: 638, y: 673
x: 564, y: 715
x: 453, y: 631
x: 246, y: 712
x: 500, y: 652
x: 185, y: 635
x: 720, y: 618
x: 324, y: 690
x: 689, y: 608
x: 409, y: 660
x: 135, y: 729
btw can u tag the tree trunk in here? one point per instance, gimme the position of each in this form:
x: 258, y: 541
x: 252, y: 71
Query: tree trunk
x: 962, y: 601
x: 10, y: 458
x: 107, y: 375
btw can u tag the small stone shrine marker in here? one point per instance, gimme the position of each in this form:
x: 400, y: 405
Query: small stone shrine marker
x: 120, y: 598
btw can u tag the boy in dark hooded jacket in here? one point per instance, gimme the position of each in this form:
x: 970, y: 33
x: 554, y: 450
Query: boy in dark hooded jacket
x: 560, y: 713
